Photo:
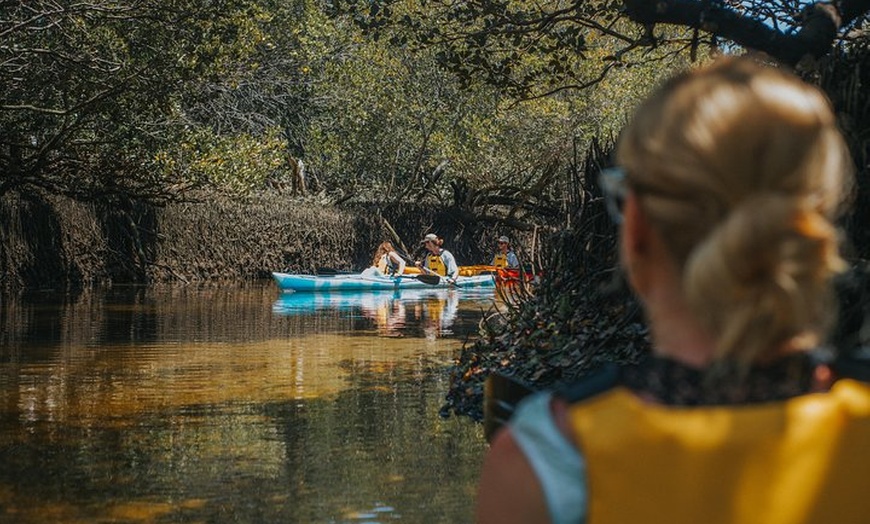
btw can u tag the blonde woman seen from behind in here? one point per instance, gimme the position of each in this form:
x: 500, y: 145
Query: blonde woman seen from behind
x: 730, y: 178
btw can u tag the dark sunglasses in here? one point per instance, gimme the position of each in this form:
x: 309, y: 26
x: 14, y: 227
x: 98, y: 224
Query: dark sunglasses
x: 615, y: 190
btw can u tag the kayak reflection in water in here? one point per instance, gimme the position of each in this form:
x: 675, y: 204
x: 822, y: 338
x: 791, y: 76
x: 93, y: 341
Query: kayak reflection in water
x: 437, y: 314
x: 388, y: 315
x: 434, y: 312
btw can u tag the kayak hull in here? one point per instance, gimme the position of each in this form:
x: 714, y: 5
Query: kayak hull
x: 359, y: 282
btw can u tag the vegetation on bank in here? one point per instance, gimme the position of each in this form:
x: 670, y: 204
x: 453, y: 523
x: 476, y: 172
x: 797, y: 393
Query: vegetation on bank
x: 49, y: 241
x: 479, y: 107
x: 55, y: 242
x: 583, y: 315
x: 580, y: 316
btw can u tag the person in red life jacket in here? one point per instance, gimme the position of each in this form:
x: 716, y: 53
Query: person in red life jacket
x: 730, y: 177
x: 505, y: 258
x: 439, y: 261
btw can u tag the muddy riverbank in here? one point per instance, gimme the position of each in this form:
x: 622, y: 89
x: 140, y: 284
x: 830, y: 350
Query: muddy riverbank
x: 48, y: 241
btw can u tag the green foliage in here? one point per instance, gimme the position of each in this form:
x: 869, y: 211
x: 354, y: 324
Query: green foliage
x: 526, y: 49
x: 395, y: 118
x: 402, y: 126
x: 91, y: 89
x: 382, y: 99
x: 444, y: 100
x: 150, y: 98
x: 238, y: 163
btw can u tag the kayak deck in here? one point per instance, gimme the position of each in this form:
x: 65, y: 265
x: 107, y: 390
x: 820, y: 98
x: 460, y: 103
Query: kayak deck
x: 358, y: 281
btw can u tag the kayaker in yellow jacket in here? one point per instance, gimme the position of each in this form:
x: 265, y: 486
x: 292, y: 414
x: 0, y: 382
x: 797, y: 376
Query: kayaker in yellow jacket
x: 439, y: 261
x: 730, y: 178
x: 505, y: 258
x: 387, y: 260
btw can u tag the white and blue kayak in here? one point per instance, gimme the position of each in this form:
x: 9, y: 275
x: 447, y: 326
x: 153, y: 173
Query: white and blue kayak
x: 375, y: 280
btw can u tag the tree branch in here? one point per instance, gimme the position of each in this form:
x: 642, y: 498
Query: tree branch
x: 820, y: 24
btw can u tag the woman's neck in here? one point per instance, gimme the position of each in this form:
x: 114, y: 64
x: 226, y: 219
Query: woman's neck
x: 676, y: 332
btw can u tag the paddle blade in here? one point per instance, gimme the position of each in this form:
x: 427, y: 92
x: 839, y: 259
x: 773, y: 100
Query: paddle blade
x: 432, y: 280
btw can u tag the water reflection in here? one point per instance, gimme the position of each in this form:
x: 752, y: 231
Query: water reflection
x: 228, y: 404
x: 410, y: 312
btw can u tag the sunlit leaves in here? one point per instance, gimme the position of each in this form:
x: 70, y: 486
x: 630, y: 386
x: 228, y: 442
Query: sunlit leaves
x: 524, y: 48
x: 236, y: 162
x: 425, y: 101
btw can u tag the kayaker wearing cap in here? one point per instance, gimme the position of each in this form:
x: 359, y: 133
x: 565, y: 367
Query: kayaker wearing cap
x: 439, y: 261
x: 505, y: 258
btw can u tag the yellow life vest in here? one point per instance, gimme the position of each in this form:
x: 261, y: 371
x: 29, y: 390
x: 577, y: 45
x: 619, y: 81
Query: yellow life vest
x: 434, y: 263
x: 500, y: 260
x: 803, y: 460
x: 384, y: 265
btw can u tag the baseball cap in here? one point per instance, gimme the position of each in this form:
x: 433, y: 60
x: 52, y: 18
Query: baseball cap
x: 431, y: 237
x: 504, y: 239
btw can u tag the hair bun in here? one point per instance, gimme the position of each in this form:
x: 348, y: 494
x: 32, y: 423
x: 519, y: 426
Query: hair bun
x: 773, y: 256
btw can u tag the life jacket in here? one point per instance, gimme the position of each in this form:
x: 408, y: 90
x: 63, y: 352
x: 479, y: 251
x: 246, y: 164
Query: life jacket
x: 500, y: 260
x: 436, y: 265
x: 386, y: 265
x: 802, y: 460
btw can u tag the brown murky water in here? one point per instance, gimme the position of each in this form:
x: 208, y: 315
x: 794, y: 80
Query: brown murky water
x: 234, y: 405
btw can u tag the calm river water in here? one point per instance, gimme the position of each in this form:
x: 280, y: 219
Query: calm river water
x: 184, y: 404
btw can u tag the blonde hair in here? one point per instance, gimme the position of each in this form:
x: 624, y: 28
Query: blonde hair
x: 742, y: 169
x: 384, y: 249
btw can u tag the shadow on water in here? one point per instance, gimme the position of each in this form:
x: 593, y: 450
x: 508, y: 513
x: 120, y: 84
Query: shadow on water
x: 219, y: 405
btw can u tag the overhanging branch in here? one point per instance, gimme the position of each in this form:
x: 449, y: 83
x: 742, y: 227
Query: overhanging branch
x: 820, y: 25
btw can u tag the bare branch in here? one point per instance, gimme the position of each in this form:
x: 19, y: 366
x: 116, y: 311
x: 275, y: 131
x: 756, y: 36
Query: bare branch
x: 820, y: 24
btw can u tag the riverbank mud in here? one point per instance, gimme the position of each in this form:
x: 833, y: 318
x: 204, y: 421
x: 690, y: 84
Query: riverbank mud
x: 48, y: 241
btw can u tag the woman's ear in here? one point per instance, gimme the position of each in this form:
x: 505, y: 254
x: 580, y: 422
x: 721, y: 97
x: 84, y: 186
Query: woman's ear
x: 633, y: 225
x: 635, y: 243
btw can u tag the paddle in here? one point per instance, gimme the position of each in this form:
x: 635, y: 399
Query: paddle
x: 501, y: 394
x: 403, y: 251
x: 432, y: 280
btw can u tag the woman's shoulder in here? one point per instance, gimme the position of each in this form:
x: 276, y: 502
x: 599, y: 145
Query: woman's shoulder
x: 602, y: 379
